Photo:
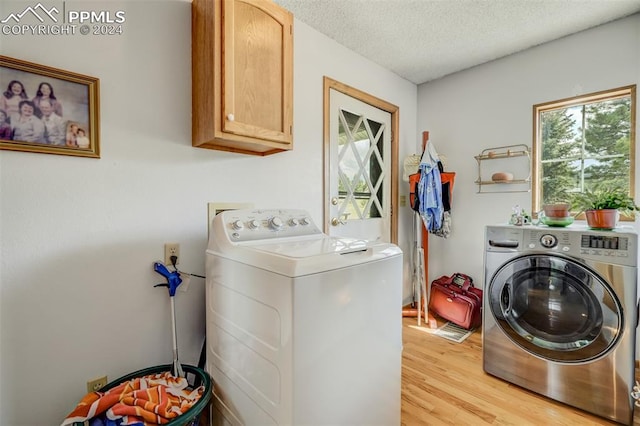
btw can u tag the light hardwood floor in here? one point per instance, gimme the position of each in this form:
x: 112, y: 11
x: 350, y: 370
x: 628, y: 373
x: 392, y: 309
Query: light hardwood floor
x: 443, y: 384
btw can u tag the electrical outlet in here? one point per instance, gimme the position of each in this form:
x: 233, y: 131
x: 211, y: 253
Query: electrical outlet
x: 171, y: 249
x: 96, y: 384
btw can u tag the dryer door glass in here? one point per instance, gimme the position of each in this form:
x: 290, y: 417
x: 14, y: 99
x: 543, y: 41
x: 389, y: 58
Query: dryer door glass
x: 555, y: 308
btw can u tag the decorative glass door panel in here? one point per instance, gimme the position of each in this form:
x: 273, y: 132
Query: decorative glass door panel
x: 359, y: 170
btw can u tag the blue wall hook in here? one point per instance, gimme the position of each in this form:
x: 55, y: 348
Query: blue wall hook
x: 173, y: 278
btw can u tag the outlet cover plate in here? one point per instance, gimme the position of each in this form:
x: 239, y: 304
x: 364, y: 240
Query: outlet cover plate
x: 96, y: 384
x: 171, y: 249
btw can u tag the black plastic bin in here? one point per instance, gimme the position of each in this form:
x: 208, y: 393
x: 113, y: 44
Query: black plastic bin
x: 195, y: 376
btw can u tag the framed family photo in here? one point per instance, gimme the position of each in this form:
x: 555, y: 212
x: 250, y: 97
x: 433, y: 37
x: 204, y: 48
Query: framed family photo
x: 48, y: 110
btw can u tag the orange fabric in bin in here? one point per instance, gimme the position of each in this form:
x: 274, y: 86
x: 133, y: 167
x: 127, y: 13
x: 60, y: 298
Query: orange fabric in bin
x: 153, y: 399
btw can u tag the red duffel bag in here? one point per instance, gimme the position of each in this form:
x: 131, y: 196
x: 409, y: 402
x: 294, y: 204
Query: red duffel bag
x: 455, y: 299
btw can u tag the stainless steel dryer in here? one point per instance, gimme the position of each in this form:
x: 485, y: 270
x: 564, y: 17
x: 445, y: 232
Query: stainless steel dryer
x: 560, y: 314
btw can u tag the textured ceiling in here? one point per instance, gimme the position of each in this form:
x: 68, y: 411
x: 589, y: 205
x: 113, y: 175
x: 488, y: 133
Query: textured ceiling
x: 422, y: 40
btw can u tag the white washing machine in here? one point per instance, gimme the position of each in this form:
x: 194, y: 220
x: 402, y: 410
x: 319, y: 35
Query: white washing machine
x: 302, y: 328
x: 561, y: 312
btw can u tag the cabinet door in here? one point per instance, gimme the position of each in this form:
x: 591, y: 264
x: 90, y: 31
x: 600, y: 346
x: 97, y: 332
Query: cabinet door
x: 257, y: 70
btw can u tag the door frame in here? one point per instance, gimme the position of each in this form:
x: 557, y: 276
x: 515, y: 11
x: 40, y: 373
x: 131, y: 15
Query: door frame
x: 328, y: 84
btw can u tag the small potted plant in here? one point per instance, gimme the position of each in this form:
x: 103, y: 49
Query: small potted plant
x: 602, y: 207
x: 556, y: 209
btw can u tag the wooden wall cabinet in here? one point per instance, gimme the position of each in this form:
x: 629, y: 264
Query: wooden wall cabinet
x: 242, y: 76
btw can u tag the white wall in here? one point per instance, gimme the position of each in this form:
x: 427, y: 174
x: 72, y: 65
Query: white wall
x: 491, y: 105
x: 78, y: 236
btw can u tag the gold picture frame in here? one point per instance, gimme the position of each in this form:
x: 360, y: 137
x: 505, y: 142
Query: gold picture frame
x: 48, y: 110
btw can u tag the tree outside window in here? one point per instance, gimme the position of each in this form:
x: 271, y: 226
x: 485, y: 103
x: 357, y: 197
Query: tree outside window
x: 583, y: 143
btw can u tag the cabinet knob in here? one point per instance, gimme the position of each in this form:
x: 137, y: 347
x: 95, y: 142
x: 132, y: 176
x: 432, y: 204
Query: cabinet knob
x: 230, y: 117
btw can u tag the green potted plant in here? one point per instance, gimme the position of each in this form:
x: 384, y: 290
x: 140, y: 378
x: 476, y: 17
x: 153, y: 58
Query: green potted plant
x: 603, y: 206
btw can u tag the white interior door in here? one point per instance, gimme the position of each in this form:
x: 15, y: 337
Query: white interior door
x: 359, y: 178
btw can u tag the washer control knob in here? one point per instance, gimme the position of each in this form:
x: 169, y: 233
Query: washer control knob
x: 276, y: 223
x: 305, y: 221
x: 293, y: 222
x: 254, y: 224
x: 548, y: 241
x: 237, y: 225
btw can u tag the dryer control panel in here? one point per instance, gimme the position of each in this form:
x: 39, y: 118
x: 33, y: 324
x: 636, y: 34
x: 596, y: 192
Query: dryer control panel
x: 258, y: 224
x: 616, y: 247
x: 604, y: 242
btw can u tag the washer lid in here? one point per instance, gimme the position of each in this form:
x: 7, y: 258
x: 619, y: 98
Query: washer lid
x: 301, y: 248
x: 300, y: 256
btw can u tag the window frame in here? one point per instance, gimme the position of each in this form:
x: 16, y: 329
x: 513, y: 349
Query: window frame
x: 536, y: 158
